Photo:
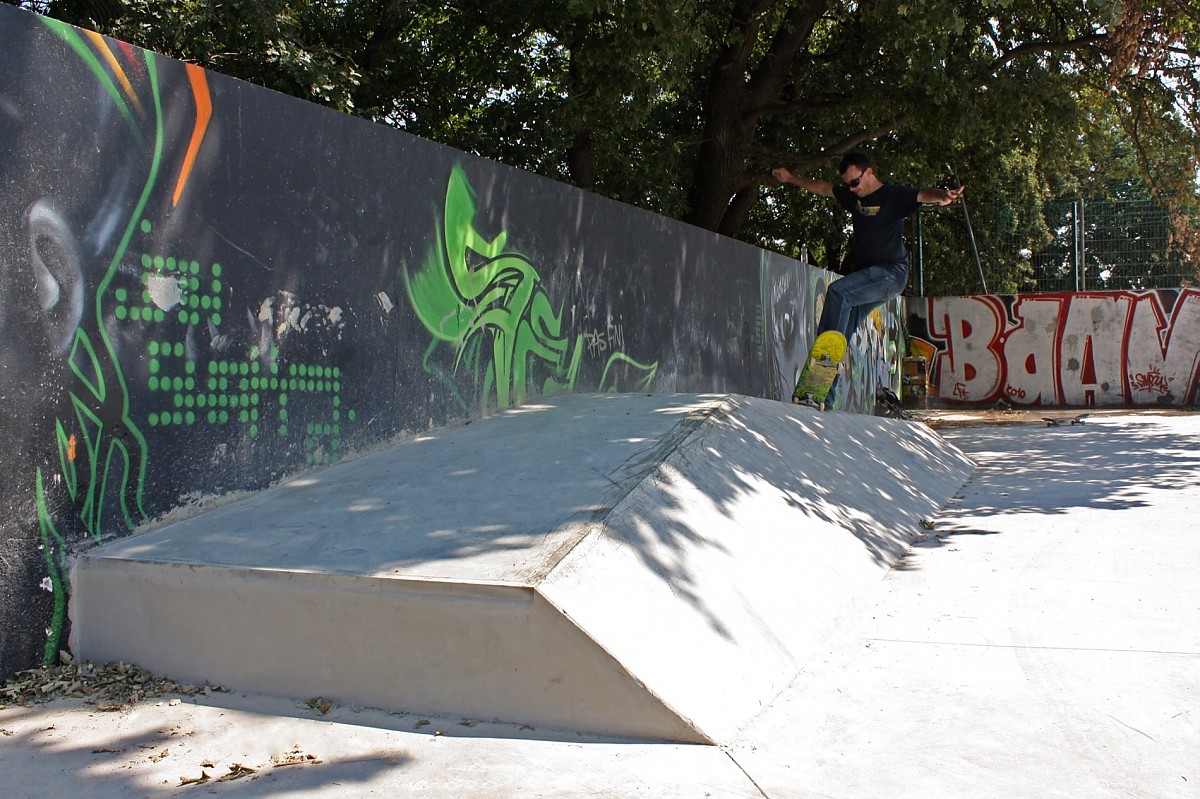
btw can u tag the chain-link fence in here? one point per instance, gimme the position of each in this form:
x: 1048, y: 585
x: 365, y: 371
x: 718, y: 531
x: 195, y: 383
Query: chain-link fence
x: 1072, y: 245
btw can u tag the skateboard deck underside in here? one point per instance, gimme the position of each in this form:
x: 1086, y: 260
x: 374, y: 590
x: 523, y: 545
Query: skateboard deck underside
x: 821, y: 368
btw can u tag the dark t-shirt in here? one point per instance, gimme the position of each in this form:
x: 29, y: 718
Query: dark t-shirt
x: 878, y: 222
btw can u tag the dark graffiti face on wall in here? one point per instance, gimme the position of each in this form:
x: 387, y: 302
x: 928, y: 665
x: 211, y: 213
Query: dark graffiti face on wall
x: 119, y: 341
x: 792, y: 302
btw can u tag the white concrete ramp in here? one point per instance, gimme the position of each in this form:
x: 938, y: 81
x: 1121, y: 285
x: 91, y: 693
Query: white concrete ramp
x: 655, y: 566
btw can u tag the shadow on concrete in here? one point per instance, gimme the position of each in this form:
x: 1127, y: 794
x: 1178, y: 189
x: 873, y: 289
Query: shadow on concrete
x: 831, y: 468
x: 63, y: 749
x: 1034, y: 469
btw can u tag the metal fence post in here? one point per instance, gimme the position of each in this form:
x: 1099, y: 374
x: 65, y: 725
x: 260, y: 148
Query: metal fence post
x: 920, y: 256
x: 1077, y: 232
x: 1082, y: 244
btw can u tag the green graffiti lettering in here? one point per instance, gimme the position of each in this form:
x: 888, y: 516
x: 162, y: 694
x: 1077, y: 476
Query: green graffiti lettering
x: 491, y: 306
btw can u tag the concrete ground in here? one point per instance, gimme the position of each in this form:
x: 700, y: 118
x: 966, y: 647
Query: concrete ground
x: 1042, y: 639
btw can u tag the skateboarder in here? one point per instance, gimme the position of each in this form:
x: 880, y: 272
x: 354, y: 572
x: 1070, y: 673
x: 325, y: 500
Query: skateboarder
x: 877, y: 212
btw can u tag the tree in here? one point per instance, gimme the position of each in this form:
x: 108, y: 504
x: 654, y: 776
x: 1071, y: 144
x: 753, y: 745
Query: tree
x: 683, y: 106
x: 1154, y: 91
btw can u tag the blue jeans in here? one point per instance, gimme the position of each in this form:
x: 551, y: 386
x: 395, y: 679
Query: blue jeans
x: 850, y: 299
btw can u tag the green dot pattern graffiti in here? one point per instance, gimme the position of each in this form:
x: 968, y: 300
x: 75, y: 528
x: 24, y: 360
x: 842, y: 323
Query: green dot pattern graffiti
x: 225, y: 391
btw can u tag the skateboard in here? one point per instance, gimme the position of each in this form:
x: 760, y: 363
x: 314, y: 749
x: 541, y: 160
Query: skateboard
x: 1058, y: 422
x: 820, y: 370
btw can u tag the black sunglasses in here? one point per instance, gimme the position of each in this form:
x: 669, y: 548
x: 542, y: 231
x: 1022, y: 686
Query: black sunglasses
x: 853, y: 184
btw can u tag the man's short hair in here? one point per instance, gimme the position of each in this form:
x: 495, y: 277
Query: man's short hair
x: 854, y: 159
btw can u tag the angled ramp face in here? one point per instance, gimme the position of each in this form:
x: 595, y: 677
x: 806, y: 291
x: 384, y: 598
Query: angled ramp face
x: 715, y: 578
x: 654, y: 566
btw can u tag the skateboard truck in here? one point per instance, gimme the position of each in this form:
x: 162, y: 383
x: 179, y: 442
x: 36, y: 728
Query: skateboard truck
x: 809, y: 400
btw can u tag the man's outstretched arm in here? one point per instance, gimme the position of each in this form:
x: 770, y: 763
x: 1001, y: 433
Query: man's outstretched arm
x: 821, y: 187
x: 940, y: 196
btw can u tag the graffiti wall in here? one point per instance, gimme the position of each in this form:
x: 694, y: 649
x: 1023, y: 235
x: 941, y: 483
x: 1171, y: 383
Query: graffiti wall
x: 206, y: 286
x: 1071, y: 349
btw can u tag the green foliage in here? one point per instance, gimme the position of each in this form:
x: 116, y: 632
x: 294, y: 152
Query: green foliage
x: 683, y: 106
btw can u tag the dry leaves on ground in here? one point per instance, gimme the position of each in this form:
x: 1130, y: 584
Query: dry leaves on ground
x: 111, y: 686
x: 295, y: 757
x: 236, y: 772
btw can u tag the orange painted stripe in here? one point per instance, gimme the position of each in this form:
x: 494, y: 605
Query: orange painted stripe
x: 203, y: 114
x: 107, y: 54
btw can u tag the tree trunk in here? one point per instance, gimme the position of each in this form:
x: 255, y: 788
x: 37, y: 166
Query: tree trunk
x: 723, y: 191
